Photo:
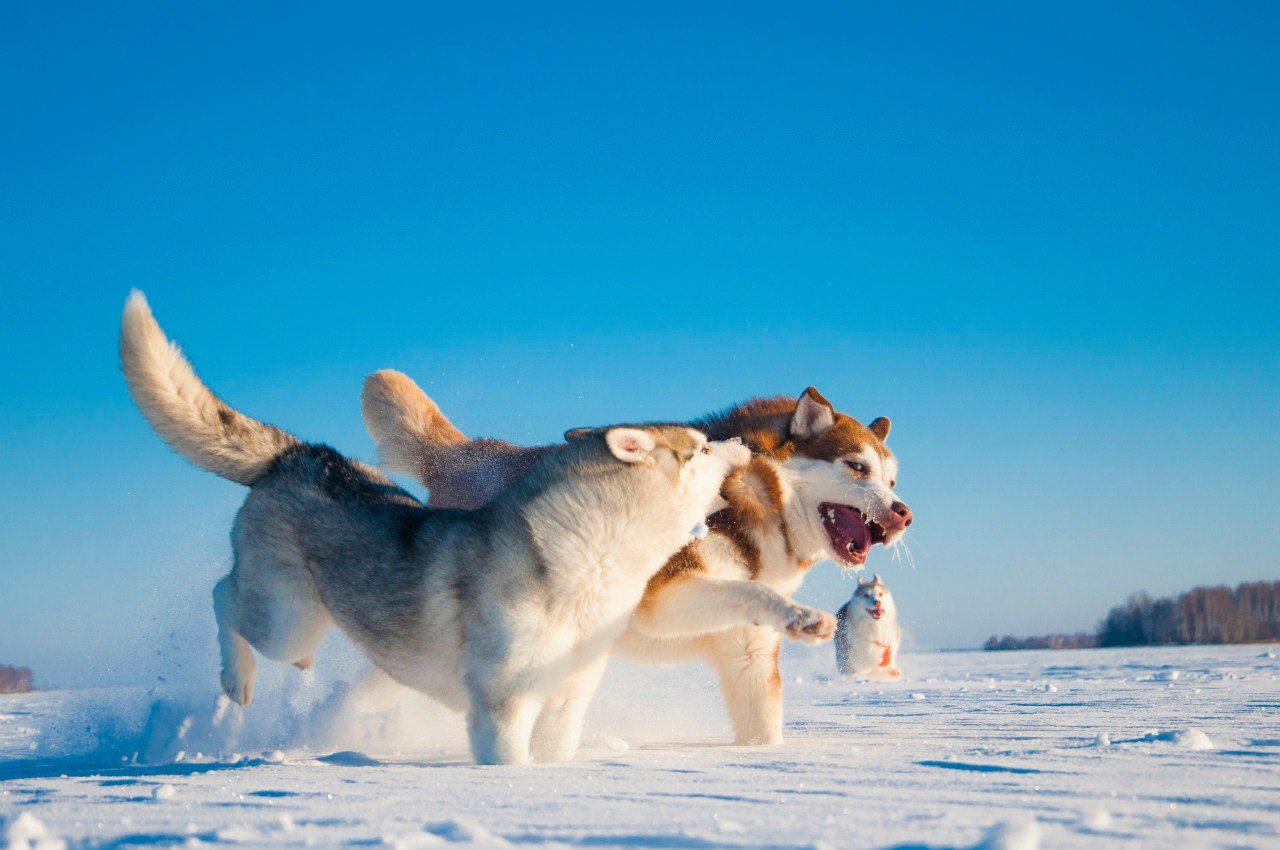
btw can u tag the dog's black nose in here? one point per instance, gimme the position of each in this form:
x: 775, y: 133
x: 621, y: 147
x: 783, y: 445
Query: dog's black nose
x: 902, y: 512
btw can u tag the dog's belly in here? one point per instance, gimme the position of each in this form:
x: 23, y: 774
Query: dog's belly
x: 444, y: 686
x: 431, y: 667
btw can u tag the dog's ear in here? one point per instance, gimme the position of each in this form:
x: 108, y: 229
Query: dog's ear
x: 880, y: 427
x: 862, y: 582
x: 875, y: 578
x: 814, y: 415
x: 631, y: 445
x: 575, y: 434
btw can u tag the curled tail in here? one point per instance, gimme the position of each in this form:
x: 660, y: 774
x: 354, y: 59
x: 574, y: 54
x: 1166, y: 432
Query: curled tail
x: 414, y: 438
x: 407, y: 425
x: 184, y: 412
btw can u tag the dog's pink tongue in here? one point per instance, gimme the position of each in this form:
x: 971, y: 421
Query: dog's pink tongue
x: 846, y: 527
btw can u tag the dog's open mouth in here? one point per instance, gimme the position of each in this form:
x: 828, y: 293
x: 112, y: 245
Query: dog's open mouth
x: 876, y: 612
x: 852, y: 534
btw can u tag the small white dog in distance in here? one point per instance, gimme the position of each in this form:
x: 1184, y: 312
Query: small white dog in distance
x: 868, y: 635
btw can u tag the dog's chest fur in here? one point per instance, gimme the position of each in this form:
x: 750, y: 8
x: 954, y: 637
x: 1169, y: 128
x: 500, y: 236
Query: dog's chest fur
x: 758, y: 535
x: 867, y: 646
x: 865, y: 629
x: 604, y: 557
x: 752, y: 539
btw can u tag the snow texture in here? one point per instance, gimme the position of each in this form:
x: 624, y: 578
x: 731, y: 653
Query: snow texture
x: 1118, y: 753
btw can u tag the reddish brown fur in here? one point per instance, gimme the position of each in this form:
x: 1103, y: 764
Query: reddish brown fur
x: 726, y: 523
x: 847, y: 436
x: 775, y: 678
x: 685, y: 562
x: 754, y: 494
x: 764, y: 425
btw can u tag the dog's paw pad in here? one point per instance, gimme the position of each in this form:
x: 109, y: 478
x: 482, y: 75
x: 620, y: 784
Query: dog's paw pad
x: 810, y: 625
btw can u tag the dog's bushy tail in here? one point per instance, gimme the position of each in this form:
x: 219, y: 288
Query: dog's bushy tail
x: 407, y: 425
x: 184, y: 412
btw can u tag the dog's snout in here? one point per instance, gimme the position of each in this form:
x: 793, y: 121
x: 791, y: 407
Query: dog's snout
x: 902, y: 512
x: 733, y: 451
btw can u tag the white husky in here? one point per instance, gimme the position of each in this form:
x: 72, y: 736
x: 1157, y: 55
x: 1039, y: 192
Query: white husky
x: 868, y: 636
x: 506, y: 612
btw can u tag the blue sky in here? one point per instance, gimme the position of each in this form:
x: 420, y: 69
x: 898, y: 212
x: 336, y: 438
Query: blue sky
x: 1042, y: 238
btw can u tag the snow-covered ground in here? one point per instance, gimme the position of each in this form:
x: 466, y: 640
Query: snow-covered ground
x: 1152, y: 748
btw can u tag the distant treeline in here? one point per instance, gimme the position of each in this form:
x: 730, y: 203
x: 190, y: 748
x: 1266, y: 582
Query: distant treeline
x: 1079, y: 640
x: 14, y: 680
x: 1204, y: 615
x: 1219, y: 614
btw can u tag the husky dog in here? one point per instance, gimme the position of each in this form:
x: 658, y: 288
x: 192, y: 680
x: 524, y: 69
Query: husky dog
x: 507, y: 612
x: 819, y: 485
x: 868, y: 636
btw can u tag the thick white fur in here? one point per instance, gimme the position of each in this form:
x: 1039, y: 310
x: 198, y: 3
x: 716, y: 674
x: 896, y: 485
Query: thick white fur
x: 406, y: 424
x: 817, y: 481
x: 867, y: 647
x: 566, y: 560
x: 182, y: 410
x: 735, y: 621
x: 680, y: 621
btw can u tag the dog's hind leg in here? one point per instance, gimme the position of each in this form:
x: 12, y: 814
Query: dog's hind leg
x: 265, y: 606
x: 238, y: 666
x: 747, y: 661
x: 559, y: 728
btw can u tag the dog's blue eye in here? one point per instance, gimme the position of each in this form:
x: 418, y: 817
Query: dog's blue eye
x: 855, y: 466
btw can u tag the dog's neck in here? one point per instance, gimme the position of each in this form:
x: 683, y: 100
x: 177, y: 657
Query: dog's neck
x: 760, y: 524
x: 761, y: 423
x: 616, y: 527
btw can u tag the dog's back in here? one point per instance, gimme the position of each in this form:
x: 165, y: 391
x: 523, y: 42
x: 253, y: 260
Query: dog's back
x: 322, y: 526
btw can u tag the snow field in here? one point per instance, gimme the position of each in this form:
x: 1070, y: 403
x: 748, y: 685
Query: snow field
x: 1119, y: 753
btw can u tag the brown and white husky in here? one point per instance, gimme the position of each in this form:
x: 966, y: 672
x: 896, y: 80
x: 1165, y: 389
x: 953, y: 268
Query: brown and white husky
x: 819, y: 485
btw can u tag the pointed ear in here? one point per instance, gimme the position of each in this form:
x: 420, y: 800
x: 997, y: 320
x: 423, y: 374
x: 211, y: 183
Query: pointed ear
x: 880, y: 427
x: 875, y: 578
x: 862, y: 582
x: 813, y: 415
x: 630, y: 445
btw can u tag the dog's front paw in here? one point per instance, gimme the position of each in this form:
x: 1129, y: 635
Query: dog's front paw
x: 809, y: 625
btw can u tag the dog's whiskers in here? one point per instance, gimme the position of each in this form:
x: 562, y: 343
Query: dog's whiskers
x: 902, y: 551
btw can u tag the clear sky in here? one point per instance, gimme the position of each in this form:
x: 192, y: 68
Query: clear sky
x: 1042, y: 238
